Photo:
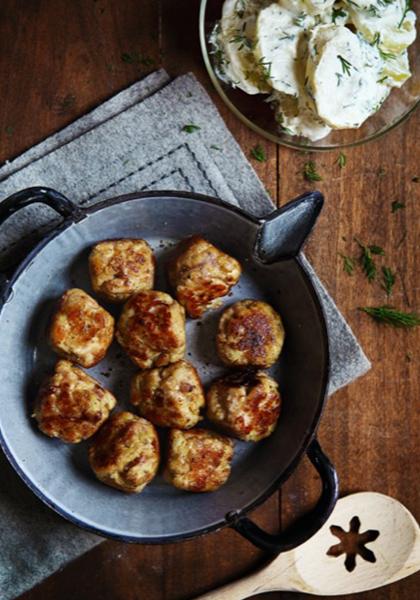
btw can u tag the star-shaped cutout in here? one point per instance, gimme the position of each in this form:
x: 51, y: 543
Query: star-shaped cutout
x: 353, y: 543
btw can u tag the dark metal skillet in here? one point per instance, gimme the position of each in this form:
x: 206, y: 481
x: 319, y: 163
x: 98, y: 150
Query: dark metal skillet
x: 269, y: 252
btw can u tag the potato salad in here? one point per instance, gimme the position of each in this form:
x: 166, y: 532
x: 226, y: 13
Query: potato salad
x: 323, y: 64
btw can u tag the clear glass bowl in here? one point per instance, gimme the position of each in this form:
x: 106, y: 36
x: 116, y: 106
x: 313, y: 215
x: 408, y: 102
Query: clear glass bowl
x: 258, y: 115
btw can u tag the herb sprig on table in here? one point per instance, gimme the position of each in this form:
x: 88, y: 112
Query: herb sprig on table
x: 388, y: 280
x: 366, y: 260
x: 348, y: 264
x: 342, y: 160
x: 258, y: 153
x: 310, y: 173
x: 397, y: 206
x: 392, y: 316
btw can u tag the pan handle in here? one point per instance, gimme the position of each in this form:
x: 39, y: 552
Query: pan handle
x: 65, y: 207
x: 44, y: 195
x: 306, y: 526
x: 283, y: 233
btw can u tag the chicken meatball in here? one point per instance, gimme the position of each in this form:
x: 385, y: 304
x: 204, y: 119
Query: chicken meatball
x: 250, y: 333
x: 198, y: 460
x: 120, y: 268
x: 125, y: 453
x: 169, y: 396
x: 245, y: 404
x: 71, y: 405
x: 81, y: 330
x: 151, y: 329
x: 201, y: 274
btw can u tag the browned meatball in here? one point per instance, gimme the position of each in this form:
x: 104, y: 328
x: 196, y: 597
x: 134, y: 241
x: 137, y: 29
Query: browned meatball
x: 81, y: 330
x: 246, y: 405
x: 198, y: 460
x: 250, y: 333
x: 71, y: 405
x: 120, y: 268
x: 201, y: 274
x: 151, y: 329
x: 125, y: 453
x: 169, y: 396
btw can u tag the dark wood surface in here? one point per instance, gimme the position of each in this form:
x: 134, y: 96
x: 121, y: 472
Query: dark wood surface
x: 58, y: 59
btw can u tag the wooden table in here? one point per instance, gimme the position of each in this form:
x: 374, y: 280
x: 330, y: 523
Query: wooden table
x: 59, y: 59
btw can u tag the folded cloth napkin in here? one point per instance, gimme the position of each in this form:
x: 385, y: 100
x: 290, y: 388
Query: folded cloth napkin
x: 134, y: 141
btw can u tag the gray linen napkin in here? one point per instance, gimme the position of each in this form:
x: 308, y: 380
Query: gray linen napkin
x: 135, y: 141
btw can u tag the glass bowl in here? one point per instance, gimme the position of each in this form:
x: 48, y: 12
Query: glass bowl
x: 259, y: 116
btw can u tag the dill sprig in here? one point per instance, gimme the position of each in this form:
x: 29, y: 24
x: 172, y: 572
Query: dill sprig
x: 384, y: 55
x: 310, y: 173
x: 406, y: 9
x: 298, y: 21
x: 258, y: 153
x: 243, y: 41
x: 366, y: 261
x: 348, y: 263
x: 338, y: 12
x: 342, y: 160
x: 388, y: 280
x: 265, y: 67
x: 396, y: 206
x: 190, y: 128
x: 345, y: 64
x: 392, y: 316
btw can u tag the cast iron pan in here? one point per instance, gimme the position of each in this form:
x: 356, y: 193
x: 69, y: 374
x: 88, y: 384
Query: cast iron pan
x: 269, y: 252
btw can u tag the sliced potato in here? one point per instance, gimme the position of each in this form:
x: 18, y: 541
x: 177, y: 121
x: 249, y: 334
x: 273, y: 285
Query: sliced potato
x: 396, y: 70
x: 279, y: 48
x: 387, y: 24
x: 235, y: 40
x: 343, y: 77
x: 295, y: 117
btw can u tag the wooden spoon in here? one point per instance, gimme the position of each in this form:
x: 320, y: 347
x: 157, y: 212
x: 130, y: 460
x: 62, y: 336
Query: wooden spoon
x: 370, y: 540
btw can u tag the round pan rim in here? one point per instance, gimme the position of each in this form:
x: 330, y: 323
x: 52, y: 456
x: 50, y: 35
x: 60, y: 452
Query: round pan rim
x: 279, y: 480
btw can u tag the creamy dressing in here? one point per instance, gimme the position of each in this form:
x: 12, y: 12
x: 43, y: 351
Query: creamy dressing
x: 325, y: 64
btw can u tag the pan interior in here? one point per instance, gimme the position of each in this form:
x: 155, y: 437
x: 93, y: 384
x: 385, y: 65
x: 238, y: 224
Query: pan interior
x: 59, y: 472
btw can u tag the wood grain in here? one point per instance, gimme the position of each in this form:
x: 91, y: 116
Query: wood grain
x: 59, y: 59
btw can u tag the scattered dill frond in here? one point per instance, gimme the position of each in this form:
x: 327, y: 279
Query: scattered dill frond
x: 342, y: 160
x: 366, y: 261
x: 392, y: 316
x: 310, y: 173
x: 258, y: 153
x: 388, y: 280
x: 190, y: 128
x: 348, y: 263
x: 396, y: 206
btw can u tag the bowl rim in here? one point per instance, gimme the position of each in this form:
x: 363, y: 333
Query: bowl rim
x: 307, y: 147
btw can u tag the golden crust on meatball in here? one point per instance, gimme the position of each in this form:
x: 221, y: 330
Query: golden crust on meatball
x: 71, y: 405
x: 198, y: 460
x: 125, y: 453
x: 81, y: 330
x: 120, y: 268
x: 245, y: 404
x: 151, y: 329
x: 170, y: 396
x: 250, y: 333
x: 201, y: 274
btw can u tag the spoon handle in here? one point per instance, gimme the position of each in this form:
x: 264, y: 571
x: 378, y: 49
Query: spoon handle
x: 278, y: 576
x: 238, y: 590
